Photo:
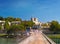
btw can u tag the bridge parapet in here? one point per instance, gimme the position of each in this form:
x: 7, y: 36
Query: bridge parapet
x: 49, y: 40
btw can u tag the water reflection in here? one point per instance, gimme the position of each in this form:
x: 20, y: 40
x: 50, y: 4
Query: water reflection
x: 8, y: 41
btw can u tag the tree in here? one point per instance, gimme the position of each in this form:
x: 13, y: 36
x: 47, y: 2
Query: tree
x: 12, y: 19
x: 30, y: 23
x: 15, y: 28
x: 58, y: 28
x: 27, y: 23
x: 17, y: 19
x: 1, y: 18
x: 9, y: 19
x: 54, y: 26
x: 0, y: 27
x: 6, y: 25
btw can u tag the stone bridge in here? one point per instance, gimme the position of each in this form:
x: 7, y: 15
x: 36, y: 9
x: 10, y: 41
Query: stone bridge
x: 37, y: 37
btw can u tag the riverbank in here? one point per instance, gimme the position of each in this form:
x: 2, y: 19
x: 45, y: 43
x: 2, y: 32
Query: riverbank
x: 55, y: 37
x: 2, y: 35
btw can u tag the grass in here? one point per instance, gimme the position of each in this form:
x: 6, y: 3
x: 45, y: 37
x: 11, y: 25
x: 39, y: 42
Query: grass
x: 3, y: 34
x: 55, y: 37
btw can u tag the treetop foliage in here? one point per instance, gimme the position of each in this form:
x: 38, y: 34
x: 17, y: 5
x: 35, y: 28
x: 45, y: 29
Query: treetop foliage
x: 55, y: 26
x: 10, y: 19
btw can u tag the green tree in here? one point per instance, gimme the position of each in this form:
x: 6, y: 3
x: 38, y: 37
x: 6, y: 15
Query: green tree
x: 54, y: 26
x: 6, y: 25
x: 15, y: 28
x: 12, y: 19
x: 9, y: 19
x: 58, y: 28
x: 27, y: 23
x: 17, y: 19
x: 0, y: 27
x: 1, y: 18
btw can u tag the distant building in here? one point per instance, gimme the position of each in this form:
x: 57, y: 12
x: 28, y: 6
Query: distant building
x: 10, y: 23
x: 2, y: 24
x: 37, y: 23
x: 35, y: 20
x: 15, y: 22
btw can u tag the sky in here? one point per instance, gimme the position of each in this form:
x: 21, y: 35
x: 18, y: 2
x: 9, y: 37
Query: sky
x: 44, y: 10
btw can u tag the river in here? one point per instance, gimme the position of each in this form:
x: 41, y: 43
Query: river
x: 8, y: 41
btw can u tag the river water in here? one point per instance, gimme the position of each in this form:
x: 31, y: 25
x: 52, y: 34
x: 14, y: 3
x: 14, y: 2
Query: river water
x: 8, y: 41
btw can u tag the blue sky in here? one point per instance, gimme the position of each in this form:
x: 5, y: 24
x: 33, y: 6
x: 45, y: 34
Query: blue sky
x: 44, y: 10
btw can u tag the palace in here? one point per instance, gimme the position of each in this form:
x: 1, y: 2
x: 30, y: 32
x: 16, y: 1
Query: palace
x: 42, y: 25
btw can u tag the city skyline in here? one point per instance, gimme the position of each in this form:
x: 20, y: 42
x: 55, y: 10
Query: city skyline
x: 44, y: 10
